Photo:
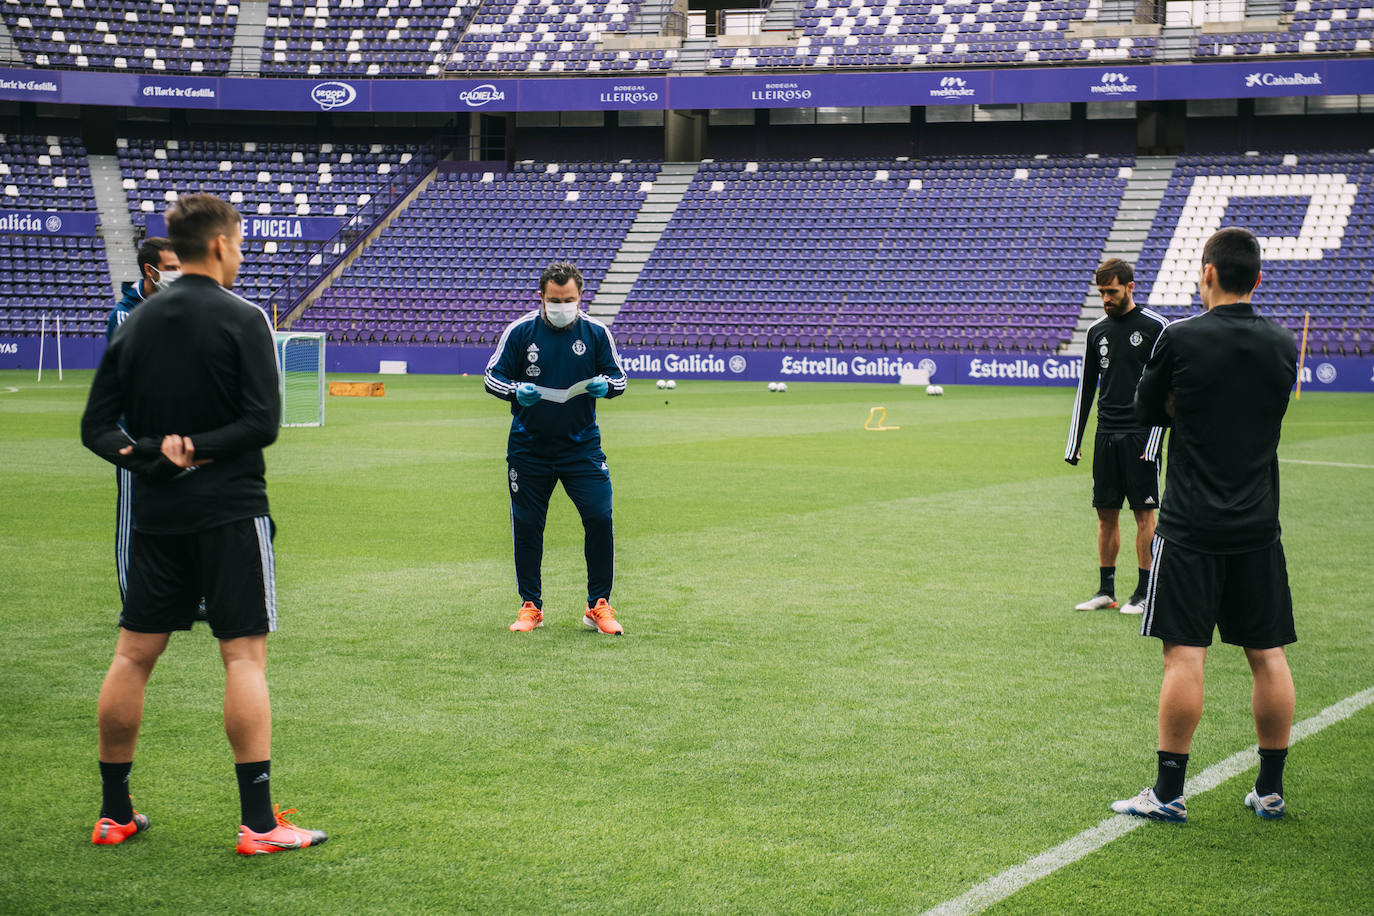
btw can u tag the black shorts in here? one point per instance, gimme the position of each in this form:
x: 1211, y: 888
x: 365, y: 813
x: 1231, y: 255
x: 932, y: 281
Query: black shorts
x: 1120, y: 473
x: 232, y: 566
x: 1244, y: 596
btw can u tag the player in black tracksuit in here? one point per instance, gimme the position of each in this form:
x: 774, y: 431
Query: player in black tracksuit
x: 223, y: 394
x: 1125, y: 453
x: 539, y: 356
x: 193, y: 372
x: 1222, y: 381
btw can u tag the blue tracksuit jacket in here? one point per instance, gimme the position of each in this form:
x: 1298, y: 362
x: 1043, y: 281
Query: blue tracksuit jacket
x: 529, y: 350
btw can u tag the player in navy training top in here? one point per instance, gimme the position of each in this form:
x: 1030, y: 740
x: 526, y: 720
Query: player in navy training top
x: 158, y: 266
x: 1222, y: 380
x: 554, y: 437
x: 1125, y: 453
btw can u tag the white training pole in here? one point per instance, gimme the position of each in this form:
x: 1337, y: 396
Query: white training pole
x: 57, y: 330
x: 42, y: 332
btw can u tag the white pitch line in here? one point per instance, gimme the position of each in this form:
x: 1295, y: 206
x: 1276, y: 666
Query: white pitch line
x: 1328, y: 464
x: 1000, y: 887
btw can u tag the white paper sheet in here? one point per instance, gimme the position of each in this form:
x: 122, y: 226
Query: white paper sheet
x: 563, y: 395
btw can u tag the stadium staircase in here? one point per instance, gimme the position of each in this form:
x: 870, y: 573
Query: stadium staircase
x: 115, y: 225
x: 8, y: 52
x: 1139, y: 203
x: 782, y: 16
x: 659, y: 206
x: 1116, y: 12
x: 1175, y: 43
x: 1267, y: 9
x: 333, y: 272
x: 249, y: 34
x: 651, y: 17
x: 692, y: 57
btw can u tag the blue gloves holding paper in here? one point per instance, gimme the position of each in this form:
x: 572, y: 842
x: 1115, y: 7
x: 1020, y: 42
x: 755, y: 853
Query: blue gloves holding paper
x: 526, y: 393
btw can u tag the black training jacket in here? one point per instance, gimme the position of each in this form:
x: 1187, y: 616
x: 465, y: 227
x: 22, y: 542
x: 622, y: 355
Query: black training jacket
x: 195, y: 360
x: 1117, y: 349
x: 1229, y: 372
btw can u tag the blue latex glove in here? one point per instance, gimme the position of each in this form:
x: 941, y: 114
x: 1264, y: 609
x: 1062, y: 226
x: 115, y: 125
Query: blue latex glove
x: 598, y: 386
x: 526, y: 394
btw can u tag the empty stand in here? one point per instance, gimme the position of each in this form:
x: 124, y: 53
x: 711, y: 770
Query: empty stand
x: 262, y: 179
x: 958, y: 254
x: 548, y: 36
x: 1314, y: 216
x: 1315, y: 27
x: 464, y: 258
x: 189, y: 36
x: 898, y: 33
x: 361, y: 37
x: 64, y: 275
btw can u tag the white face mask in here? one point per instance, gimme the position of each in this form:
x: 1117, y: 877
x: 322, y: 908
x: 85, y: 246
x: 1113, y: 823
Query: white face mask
x: 560, y: 314
x: 165, y: 278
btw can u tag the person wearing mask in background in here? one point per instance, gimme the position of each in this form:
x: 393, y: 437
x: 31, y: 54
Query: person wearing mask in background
x: 552, y: 364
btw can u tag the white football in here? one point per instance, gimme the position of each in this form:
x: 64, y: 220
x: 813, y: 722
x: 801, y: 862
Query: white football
x: 662, y: 383
x: 930, y: 389
x: 772, y: 386
x: 782, y: 386
x: 672, y: 383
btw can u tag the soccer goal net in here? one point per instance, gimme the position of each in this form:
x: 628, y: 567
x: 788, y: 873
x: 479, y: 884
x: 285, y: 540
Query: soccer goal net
x: 300, y: 357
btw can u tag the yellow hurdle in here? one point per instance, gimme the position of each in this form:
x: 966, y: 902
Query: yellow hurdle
x: 878, y: 414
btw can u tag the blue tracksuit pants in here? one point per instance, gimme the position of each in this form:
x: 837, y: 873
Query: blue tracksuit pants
x: 587, y: 481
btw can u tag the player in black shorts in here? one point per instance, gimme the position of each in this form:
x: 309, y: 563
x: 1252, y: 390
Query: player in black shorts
x: 1222, y: 380
x: 1125, y: 453
x: 194, y: 374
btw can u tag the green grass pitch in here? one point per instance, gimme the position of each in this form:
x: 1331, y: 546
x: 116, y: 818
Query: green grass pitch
x: 852, y: 680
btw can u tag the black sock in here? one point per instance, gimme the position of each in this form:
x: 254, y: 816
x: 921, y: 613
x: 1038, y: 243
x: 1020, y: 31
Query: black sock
x: 255, y: 795
x: 1169, y: 783
x: 1142, y: 584
x: 1270, y: 779
x: 1107, y: 577
x: 114, y: 787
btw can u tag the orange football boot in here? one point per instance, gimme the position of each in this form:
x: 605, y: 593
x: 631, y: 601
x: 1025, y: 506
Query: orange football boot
x: 109, y: 832
x: 281, y: 838
x: 601, y: 617
x: 528, y: 618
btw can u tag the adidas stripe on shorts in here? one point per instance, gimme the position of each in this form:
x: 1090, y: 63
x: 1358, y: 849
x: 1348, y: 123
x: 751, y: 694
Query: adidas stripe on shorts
x: 231, y: 565
x: 1244, y: 596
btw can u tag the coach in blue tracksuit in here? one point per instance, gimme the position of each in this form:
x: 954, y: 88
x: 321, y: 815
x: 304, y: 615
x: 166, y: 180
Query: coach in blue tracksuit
x: 538, y: 358
x: 158, y: 266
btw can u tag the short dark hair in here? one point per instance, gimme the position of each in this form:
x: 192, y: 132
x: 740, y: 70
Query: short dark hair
x: 1114, y: 269
x: 1235, y: 253
x: 558, y: 273
x: 150, y: 252
x: 194, y: 221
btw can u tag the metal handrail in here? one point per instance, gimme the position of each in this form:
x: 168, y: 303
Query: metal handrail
x: 310, y: 272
